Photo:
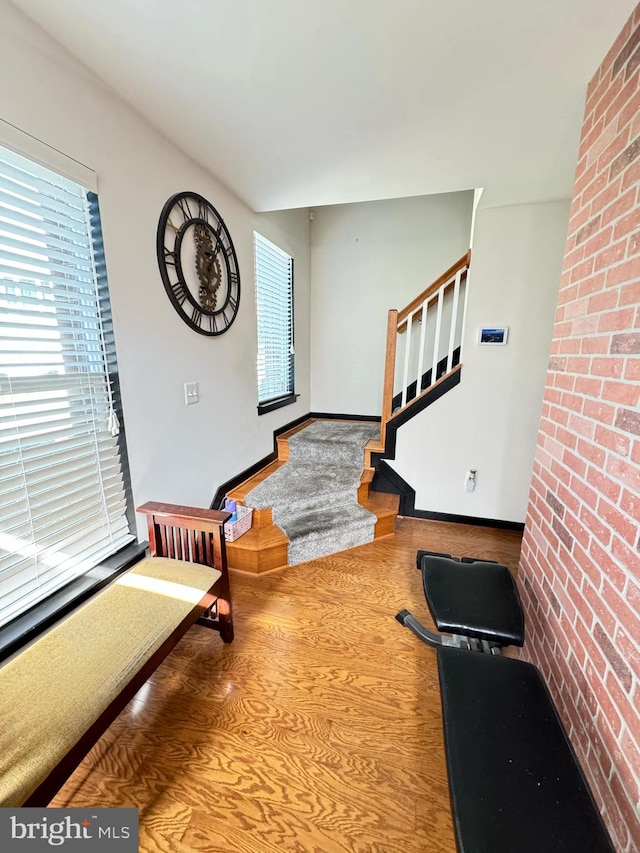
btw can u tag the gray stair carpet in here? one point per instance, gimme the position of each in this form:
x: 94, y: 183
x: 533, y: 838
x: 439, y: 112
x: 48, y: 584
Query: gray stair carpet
x: 314, y: 494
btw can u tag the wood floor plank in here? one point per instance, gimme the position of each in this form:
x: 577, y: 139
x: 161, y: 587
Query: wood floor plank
x: 318, y: 729
x: 275, y: 829
x: 162, y: 827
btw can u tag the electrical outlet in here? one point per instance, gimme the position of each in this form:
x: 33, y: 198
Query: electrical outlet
x: 470, y: 479
x: 191, y: 395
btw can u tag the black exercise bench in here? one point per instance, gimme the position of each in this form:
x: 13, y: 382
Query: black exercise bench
x: 475, y: 601
x: 514, y: 779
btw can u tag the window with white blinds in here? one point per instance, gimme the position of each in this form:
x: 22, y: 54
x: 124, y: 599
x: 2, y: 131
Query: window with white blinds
x: 274, y: 295
x: 62, y: 493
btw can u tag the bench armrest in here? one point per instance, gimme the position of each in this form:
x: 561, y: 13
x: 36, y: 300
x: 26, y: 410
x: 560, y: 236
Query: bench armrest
x: 193, y: 535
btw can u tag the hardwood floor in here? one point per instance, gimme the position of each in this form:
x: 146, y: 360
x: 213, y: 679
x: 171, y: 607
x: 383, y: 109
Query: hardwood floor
x: 317, y: 731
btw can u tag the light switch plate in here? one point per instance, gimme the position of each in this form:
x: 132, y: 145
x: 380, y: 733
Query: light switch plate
x: 191, y: 395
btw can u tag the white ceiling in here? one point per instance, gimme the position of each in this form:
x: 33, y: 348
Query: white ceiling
x: 293, y: 103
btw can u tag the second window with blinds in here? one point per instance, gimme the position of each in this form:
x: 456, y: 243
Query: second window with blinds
x: 274, y: 305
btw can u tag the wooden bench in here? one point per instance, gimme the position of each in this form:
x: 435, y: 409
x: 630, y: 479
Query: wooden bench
x: 60, y: 694
x: 515, y: 782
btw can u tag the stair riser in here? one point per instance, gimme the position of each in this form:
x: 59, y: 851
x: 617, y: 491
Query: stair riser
x: 384, y: 525
x: 363, y: 492
x: 322, y: 545
x: 256, y: 562
x: 262, y: 517
x: 269, y: 558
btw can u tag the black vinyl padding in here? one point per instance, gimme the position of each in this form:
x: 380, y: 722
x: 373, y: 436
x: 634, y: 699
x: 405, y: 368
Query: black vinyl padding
x: 476, y: 560
x: 515, y: 783
x: 422, y: 554
x: 478, y: 599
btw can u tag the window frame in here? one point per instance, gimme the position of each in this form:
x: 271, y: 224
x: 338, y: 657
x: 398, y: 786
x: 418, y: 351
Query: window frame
x: 289, y: 397
x: 53, y: 606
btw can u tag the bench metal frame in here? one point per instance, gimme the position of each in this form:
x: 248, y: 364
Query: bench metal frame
x: 431, y: 638
x: 458, y: 641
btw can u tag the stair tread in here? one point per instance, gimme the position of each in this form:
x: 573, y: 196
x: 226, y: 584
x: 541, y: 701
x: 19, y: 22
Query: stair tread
x: 382, y: 503
x: 332, y: 442
x: 293, y: 484
x: 240, y: 492
x: 331, y: 517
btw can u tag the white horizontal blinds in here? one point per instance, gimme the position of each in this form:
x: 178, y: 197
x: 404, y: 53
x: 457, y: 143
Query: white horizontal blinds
x: 274, y: 295
x: 62, y: 497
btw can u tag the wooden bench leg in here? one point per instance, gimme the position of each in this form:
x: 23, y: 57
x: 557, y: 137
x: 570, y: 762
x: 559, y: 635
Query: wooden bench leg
x: 225, y: 615
x: 222, y: 618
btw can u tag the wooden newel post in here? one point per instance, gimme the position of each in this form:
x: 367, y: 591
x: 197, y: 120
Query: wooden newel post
x: 389, y: 372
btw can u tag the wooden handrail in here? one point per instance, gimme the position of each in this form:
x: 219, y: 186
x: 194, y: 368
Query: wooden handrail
x: 447, y: 288
x: 464, y: 261
x: 397, y: 322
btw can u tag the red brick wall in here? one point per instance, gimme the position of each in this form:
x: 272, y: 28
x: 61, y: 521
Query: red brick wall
x: 580, y: 567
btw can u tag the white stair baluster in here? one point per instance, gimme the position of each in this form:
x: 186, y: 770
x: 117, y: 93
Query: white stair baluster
x: 423, y: 331
x: 454, y: 320
x: 407, y: 353
x: 464, y: 307
x: 436, y: 343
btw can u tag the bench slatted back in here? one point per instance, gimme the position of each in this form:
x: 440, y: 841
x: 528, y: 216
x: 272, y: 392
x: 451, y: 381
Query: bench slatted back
x: 186, y: 533
x: 196, y: 536
x: 180, y: 544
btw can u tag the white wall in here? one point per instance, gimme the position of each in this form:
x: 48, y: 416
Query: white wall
x: 177, y: 454
x: 490, y: 420
x: 365, y: 259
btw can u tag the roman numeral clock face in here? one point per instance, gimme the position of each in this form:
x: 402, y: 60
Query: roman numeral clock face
x: 198, y: 263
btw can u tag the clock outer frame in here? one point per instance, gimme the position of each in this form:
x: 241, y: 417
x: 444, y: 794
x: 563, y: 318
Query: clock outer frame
x: 228, y: 254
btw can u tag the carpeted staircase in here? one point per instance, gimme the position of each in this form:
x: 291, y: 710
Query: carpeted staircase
x: 313, y: 496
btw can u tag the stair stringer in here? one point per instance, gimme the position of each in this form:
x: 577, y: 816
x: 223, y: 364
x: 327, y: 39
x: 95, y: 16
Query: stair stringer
x: 386, y: 479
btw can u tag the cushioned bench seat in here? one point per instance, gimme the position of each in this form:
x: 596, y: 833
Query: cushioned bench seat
x: 55, y: 690
x: 515, y: 784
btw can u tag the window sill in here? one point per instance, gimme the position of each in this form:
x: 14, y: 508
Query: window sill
x: 272, y: 405
x: 35, y: 621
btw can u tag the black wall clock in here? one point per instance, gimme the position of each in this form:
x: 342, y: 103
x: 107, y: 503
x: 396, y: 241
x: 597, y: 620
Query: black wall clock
x: 198, y: 263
